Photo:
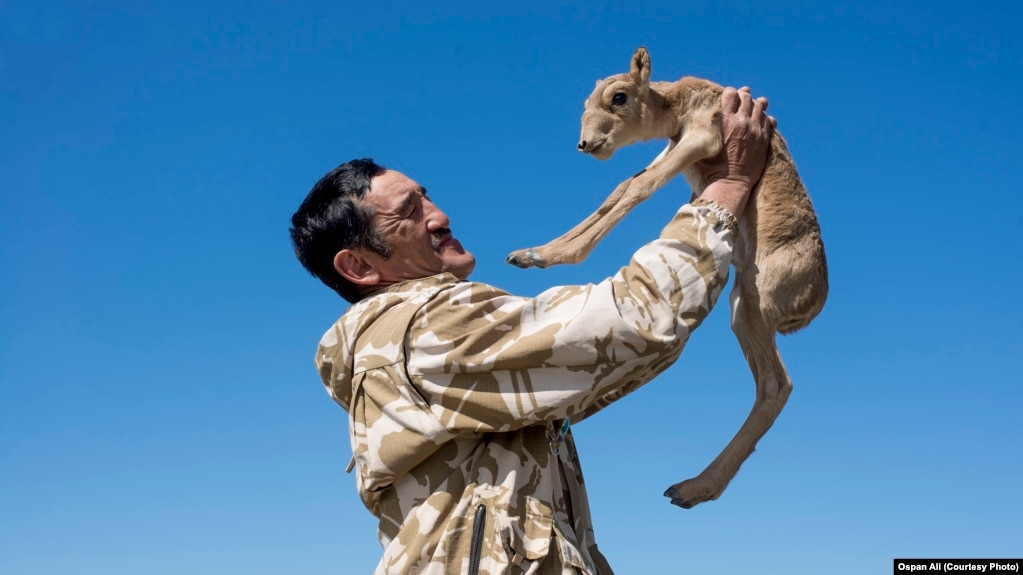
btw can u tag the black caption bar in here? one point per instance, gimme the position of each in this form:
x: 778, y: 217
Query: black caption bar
x: 904, y: 566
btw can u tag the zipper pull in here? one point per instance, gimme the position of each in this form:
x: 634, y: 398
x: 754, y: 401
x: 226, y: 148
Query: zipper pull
x: 558, y: 438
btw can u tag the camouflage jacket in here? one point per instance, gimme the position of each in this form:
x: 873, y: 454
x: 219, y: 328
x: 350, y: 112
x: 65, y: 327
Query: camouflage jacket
x: 458, y: 392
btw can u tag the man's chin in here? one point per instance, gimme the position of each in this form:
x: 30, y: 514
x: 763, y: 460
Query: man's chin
x: 462, y: 269
x: 457, y: 260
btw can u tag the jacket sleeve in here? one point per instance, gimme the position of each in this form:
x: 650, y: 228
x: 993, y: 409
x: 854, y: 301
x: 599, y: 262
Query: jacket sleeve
x: 486, y: 360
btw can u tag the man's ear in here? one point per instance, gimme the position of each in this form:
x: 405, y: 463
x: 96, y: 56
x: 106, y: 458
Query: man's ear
x: 356, y: 268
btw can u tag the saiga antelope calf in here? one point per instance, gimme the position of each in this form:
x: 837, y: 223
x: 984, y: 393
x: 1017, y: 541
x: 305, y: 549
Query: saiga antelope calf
x: 781, y: 277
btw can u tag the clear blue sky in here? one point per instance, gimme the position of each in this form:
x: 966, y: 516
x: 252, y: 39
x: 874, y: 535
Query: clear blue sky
x: 160, y: 413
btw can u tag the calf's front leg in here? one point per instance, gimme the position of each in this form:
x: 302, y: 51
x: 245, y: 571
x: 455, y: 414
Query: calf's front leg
x: 576, y: 244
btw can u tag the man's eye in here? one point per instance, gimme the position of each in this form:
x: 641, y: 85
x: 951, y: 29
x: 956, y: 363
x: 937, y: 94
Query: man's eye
x: 619, y: 98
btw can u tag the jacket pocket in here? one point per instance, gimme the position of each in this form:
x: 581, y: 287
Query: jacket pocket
x: 527, y: 534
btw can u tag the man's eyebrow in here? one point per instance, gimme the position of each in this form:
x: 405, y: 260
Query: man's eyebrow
x: 407, y: 203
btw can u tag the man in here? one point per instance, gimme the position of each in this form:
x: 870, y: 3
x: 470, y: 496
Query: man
x: 460, y: 395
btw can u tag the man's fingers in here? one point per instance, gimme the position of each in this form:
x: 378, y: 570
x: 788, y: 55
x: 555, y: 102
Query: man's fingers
x: 741, y: 101
x: 729, y: 100
x: 745, y: 102
x: 760, y: 112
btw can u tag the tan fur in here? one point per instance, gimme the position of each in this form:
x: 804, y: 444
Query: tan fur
x: 781, y: 278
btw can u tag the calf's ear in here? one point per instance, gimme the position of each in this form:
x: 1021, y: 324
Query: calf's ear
x: 639, y: 70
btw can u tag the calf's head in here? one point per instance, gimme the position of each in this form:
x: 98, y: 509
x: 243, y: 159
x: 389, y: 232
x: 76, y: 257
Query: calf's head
x: 616, y: 112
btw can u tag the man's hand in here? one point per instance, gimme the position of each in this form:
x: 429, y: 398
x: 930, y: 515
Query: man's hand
x: 747, y: 132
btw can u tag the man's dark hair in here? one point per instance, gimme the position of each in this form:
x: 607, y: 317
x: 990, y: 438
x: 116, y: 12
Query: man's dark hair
x: 332, y: 218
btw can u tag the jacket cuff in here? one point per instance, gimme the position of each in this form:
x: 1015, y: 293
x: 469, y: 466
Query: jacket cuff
x: 724, y: 217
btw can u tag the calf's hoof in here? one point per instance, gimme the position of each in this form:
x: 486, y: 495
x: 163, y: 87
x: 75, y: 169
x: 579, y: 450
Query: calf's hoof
x: 687, y: 495
x: 526, y: 259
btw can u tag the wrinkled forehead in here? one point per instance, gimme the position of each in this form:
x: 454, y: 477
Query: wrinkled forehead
x: 390, y: 189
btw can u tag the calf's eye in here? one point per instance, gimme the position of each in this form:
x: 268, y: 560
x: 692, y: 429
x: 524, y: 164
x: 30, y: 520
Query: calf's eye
x: 619, y: 98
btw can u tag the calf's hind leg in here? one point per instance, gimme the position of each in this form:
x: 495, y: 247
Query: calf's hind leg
x: 757, y: 337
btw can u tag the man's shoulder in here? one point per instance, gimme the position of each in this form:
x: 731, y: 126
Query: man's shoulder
x: 420, y: 292
x: 407, y: 293
x: 400, y: 298
x: 388, y: 312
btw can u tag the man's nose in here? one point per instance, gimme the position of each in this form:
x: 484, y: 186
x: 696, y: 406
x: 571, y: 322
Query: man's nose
x: 436, y: 219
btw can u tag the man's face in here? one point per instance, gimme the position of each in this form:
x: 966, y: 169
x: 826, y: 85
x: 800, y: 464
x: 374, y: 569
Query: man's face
x: 416, y: 230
